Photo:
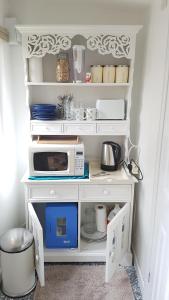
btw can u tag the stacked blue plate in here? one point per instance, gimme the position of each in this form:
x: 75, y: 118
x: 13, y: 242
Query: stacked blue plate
x: 43, y: 112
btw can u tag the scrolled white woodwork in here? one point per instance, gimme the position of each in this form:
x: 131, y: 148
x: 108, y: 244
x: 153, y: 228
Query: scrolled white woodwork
x: 39, y: 45
x: 117, y: 45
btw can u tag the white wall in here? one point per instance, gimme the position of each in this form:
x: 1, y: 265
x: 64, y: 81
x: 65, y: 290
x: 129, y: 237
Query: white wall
x: 150, y: 114
x: 77, y: 11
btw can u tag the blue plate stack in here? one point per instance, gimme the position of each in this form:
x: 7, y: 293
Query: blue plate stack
x: 43, y: 112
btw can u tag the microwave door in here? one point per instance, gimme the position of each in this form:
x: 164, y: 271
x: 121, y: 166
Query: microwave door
x: 53, y: 163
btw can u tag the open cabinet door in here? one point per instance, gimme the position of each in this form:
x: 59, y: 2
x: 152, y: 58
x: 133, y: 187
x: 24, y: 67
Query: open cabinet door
x: 36, y: 228
x: 117, y: 240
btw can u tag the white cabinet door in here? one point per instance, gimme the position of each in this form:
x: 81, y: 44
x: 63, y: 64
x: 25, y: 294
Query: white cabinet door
x: 36, y: 228
x: 117, y: 240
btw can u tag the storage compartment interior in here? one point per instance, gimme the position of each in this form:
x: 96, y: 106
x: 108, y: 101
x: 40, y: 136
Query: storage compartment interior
x: 91, y: 58
x: 59, y: 222
x: 95, y: 216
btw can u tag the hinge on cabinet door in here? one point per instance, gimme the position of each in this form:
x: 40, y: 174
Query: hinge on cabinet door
x: 149, y: 276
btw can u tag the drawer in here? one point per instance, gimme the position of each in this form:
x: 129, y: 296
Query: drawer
x: 47, y: 128
x: 115, y: 193
x: 82, y: 129
x: 117, y: 128
x: 53, y: 192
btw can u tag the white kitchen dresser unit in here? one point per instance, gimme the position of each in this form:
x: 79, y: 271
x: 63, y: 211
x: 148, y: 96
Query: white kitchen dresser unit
x: 113, y: 45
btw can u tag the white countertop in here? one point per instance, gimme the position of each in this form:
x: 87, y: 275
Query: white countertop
x: 96, y: 176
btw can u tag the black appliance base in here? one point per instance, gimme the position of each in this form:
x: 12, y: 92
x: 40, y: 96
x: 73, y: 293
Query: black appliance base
x: 109, y: 168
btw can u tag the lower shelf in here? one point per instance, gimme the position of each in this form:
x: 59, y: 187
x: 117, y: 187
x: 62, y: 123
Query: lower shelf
x: 90, y: 252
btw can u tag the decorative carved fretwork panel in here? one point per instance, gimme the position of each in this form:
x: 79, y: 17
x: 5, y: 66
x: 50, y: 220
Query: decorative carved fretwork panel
x: 39, y: 45
x: 118, y: 46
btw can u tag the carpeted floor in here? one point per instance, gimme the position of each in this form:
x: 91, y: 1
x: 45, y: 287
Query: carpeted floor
x: 85, y: 282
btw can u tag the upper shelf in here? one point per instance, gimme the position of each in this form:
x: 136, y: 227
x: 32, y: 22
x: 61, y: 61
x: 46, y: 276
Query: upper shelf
x: 77, y: 84
x: 41, y: 40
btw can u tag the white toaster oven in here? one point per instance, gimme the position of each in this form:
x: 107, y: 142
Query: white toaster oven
x: 110, y: 109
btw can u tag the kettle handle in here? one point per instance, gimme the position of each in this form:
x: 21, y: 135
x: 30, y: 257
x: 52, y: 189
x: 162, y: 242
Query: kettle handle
x: 117, y: 151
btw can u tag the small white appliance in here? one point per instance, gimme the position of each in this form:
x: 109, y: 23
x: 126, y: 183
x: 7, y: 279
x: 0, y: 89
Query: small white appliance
x: 56, y: 159
x: 110, y: 109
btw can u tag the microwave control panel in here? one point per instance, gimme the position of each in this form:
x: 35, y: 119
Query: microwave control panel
x: 79, y: 163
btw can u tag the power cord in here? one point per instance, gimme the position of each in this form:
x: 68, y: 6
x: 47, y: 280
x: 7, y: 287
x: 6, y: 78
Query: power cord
x: 131, y: 164
x: 134, y: 169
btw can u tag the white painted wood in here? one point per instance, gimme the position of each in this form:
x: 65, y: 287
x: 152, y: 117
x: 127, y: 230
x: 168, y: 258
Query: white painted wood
x: 36, y: 228
x: 115, y: 242
x: 53, y: 193
x: 46, y: 128
x: 77, y: 85
x: 112, y: 193
x: 96, y: 127
x: 118, y: 128
x: 80, y: 129
x: 39, y: 40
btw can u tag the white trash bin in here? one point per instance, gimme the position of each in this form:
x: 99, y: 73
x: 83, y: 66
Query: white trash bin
x: 17, y: 262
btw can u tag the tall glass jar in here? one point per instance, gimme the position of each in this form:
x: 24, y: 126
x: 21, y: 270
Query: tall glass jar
x: 62, y: 68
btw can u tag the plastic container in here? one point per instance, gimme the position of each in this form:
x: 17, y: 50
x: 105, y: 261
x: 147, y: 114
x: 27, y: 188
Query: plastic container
x: 17, y: 262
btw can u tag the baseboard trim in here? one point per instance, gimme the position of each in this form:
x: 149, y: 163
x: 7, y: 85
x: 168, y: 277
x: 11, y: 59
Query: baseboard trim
x: 139, y: 273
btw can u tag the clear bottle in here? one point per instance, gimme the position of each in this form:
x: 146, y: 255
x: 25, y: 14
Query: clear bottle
x: 79, y: 63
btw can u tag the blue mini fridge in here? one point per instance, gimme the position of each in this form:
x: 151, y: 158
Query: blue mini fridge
x: 61, y: 225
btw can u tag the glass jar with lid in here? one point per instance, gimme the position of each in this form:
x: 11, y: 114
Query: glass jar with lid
x: 109, y: 72
x: 122, y: 73
x: 62, y: 68
x: 96, y: 74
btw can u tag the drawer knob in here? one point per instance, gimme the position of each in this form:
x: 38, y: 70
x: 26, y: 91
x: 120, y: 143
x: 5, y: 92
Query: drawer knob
x: 105, y: 192
x: 52, y: 192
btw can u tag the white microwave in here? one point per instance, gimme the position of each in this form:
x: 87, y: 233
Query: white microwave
x: 56, y: 159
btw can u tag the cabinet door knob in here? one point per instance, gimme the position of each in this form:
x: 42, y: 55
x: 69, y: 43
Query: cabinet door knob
x: 52, y: 192
x: 105, y: 192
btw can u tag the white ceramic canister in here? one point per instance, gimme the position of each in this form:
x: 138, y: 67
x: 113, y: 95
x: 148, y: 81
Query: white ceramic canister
x: 35, y: 69
x: 109, y: 72
x: 96, y: 74
x: 122, y: 73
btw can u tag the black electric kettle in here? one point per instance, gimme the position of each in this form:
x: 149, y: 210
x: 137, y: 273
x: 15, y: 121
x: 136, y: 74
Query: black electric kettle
x: 110, y: 158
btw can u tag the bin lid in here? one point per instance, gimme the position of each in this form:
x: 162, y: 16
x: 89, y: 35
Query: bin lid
x: 16, y: 240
